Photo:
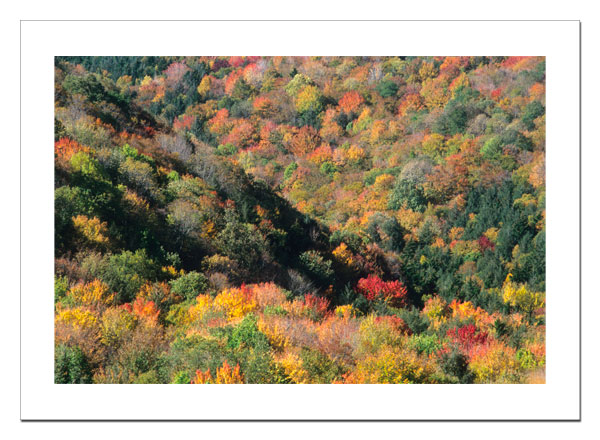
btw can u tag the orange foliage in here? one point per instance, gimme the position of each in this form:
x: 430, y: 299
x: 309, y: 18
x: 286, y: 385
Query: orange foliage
x: 65, y: 148
x: 351, y: 102
x: 225, y: 375
x: 304, y: 141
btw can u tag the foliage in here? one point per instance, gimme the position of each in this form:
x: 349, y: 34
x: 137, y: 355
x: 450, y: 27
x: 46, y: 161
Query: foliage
x: 299, y: 219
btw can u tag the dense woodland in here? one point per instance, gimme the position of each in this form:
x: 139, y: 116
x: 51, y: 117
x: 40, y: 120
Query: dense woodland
x: 299, y: 220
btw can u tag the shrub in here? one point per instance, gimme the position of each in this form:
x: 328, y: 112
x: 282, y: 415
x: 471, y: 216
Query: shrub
x: 71, y: 365
x: 374, y: 288
x: 190, y: 285
x: 126, y: 273
x: 455, y: 363
x: 318, y: 267
x: 247, y: 334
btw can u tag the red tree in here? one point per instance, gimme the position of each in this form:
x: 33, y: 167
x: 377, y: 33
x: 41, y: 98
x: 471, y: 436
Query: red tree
x: 374, y: 288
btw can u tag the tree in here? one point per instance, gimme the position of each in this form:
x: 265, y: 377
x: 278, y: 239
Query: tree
x: 190, y: 285
x: 374, y: 288
x: 125, y: 273
x: 387, y: 88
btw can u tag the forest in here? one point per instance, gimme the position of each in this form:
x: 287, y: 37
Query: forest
x: 294, y: 220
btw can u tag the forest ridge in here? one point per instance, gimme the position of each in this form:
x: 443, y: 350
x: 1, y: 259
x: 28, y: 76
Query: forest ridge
x: 299, y: 219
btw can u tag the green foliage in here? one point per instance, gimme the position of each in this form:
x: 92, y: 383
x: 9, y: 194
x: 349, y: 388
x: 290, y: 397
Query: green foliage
x: 387, y: 88
x: 71, y: 365
x: 431, y: 180
x: 428, y: 344
x: 243, y: 243
x: 328, y: 168
x: 409, y: 194
x: 125, y: 273
x: 190, y: 285
x: 226, y: 150
x: 289, y: 170
x: 533, y: 110
x: 61, y: 286
x: 246, y: 334
x: 182, y: 377
x: 320, y: 367
x: 319, y: 268
x: 492, y: 148
x: 456, y: 364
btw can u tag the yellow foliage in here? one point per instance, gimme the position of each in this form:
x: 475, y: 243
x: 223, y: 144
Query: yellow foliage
x: 434, y: 94
x: 456, y: 233
x: 274, y: 333
x: 525, y: 200
x: 494, y: 363
x: 137, y: 203
x: 374, y: 335
x: 434, y: 145
x: 343, y: 254
x: 204, y: 87
x: 463, y: 311
x: 236, y: 302
x: 436, y: 309
x: 92, y: 230
x: 392, y: 365
x: 78, y: 318
x: 377, y: 131
x: 463, y: 248
x: 517, y: 295
x: 409, y: 219
x: 492, y: 234
x: 346, y: 311
x: 355, y: 154
x: 95, y: 293
x: 309, y: 99
x: 172, y: 272
x: 204, y: 305
x: 383, y: 182
x: 209, y: 230
x: 427, y: 71
x: 114, y: 324
x: 293, y: 368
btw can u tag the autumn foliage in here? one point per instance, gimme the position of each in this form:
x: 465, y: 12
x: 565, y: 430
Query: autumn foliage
x: 300, y: 220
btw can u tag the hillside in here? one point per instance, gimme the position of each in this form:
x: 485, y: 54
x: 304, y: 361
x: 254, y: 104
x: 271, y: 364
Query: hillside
x: 299, y: 220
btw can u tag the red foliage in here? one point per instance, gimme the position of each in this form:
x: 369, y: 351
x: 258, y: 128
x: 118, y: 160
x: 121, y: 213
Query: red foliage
x: 467, y: 337
x: 183, y: 122
x: 146, y: 310
x: 149, y: 131
x: 231, y: 80
x: 236, y: 61
x: 219, y: 64
x: 374, y: 288
x: 511, y: 61
x: 242, y: 135
x: 496, y: 93
x: 318, y: 304
x: 263, y: 106
x: 220, y: 122
x: 485, y: 243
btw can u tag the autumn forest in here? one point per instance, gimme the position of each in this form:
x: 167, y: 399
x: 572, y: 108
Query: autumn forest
x: 299, y: 220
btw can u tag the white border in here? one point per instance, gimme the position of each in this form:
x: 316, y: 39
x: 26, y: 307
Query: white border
x: 558, y: 399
